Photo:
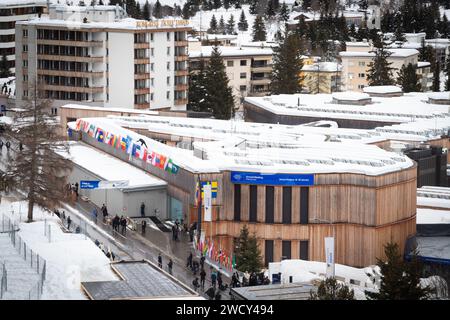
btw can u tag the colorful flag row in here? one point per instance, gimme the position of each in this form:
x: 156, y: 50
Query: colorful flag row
x: 215, y: 253
x: 133, y: 148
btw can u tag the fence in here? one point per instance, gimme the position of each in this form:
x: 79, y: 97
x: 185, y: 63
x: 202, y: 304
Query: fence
x: 29, y: 256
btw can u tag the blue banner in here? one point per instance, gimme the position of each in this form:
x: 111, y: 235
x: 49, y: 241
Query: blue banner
x: 277, y: 179
x: 84, y: 184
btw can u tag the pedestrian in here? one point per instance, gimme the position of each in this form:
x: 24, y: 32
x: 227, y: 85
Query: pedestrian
x: 8, y: 145
x: 159, y: 260
x: 219, y: 280
x: 144, y: 225
x: 20, y: 146
x: 63, y: 215
x: 104, y: 211
x: 174, y: 232
x: 195, y: 266
x: 123, y: 223
x: 76, y: 189
x: 195, y: 284
x: 170, y: 265
x: 202, y: 278
x: 97, y: 243
x: 94, y: 215
x: 69, y: 221
x: 213, y: 278
x: 189, y: 261
x: 142, y: 209
x: 202, y: 261
x: 1, y: 144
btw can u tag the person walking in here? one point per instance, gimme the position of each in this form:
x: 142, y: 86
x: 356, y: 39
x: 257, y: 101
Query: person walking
x: 104, y: 211
x: 94, y: 215
x: 202, y: 261
x: 202, y: 278
x: 142, y: 209
x: 170, y: 265
x: 213, y: 278
x: 143, y: 225
x: 159, y: 260
x: 189, y: 261
x: 69, y: 221
x: 195, y: 284
x: 8, y: 145
x: 123, y: 223
x: 174, y: 233
x: 219, y: 280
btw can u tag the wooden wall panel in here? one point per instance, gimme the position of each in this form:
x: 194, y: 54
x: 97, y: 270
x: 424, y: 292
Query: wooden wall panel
x: 278, y: 214
x: 245, y: 202
x: 277, y: 249
x: 261, y: 214
x: 295, y: 204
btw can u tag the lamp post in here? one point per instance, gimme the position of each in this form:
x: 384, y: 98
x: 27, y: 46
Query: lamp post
x: 334, y: 244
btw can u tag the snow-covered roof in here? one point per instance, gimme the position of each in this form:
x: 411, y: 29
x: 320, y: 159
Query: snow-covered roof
x: 323, y: 67
x: 395, y: 53
x: 443, y: 95
x: 435, y: 197
x: 350, y: 96
x: 109, y: 167
x: 357, y: 44
x: 226, y: 51
x: 20, y: 3
x: 106, y: 109
x: 382, y: 89
x: 423, y: 64
x: 432, y: 216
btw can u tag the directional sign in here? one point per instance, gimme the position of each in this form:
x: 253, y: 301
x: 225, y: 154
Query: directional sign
x: 272, y: 178
x: 84, y: 184
x: 96, y: 184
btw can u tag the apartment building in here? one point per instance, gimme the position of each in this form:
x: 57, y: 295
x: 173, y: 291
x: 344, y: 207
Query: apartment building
x: 359, y: 55
x: 98, y: 56
x: 321, y: 77
x: 12, y: 11
x: 248, y: 69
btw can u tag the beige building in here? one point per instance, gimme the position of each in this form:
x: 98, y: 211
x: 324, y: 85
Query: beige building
x: 321, y: 77
x: 356, y: 60
x: 248, y: 69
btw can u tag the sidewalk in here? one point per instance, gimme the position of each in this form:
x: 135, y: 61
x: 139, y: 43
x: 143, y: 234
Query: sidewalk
x: 149, y: 245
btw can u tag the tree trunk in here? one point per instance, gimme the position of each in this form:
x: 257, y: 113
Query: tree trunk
x: 30, y: 208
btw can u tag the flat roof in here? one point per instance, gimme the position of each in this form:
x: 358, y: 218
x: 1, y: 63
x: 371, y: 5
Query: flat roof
x: 395, y: 53
x: 21, y: 3
x: 141, y: 280
x: 291, y: 291
x: 106, y: 109
x: 109, y: 167
x: 434, y: 248
x: 226, y: 51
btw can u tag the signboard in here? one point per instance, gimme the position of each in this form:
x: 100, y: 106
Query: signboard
x: 87, y: 184
x: 207, y: 202
x: 278, y: 179
x: 329, y: 256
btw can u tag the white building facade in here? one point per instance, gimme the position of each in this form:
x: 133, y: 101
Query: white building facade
x: 98, y: 56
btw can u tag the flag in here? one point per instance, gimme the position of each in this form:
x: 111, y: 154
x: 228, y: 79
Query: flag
x: 149, y: 157
x: 143, y: 154
x: 136, y: 150
x: 129, y: 144
x: 91, y: 131
x: 154, y: 156
x: 100, y: 135
x: 175, y: 168
x: 107, y: 139
x: 162, y: 161
x: 78, y: 125
x: 233, y: 263
x: 123, y: 143
x: 168, y: 164
x: 210, y: 250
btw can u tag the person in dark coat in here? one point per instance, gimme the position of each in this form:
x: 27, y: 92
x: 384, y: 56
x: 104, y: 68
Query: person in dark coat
x: 159, y: 260
x: 8, y: 145
x: 219, y: 279
x: 123, y: 223
x: 142, y: 209
x: 69, y: 221
x: 170, y: 265
x: 189, y: 261
x: 144, y: 225
x: 213, y: 278
x: 202, y: 278
x: 202, y: 261
x: 104, y: 211
x: 174, y: 233
x: 211, y: 292
x: 195, y: 284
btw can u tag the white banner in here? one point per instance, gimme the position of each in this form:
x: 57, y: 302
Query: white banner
x: 329, y: 256
x: 207, y: 202
x: 113, y: 184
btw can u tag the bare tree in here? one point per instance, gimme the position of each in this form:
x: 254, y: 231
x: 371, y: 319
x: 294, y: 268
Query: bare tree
x: 35, y: 168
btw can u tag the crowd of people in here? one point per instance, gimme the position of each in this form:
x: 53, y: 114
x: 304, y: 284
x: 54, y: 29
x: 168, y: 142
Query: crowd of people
x: 6, y: 90
x: 108, y: 253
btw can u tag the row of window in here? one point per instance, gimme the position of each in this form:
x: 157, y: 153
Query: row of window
x: 49, y: 34
x: 230, y: 63
x: 20, y: 11
x: 286, y: 250
x: 62, y: 50
x: 270, y: 204
x: 62, y: 65
x: 141, y: 37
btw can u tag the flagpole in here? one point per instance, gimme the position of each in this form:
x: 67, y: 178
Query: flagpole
x: 199, y: 209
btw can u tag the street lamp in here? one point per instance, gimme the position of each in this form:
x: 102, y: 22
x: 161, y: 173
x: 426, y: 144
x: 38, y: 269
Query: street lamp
x: 332, y: 262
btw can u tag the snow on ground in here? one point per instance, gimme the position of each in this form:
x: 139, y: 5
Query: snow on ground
x: 71, y: 258
x: 432, y: 216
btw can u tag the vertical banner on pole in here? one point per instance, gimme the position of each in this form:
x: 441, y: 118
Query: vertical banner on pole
x: 329, y: 256
x: 208, y: 202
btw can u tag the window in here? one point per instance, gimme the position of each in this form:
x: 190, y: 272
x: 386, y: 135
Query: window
x: 361, y: 75
x: 168, y: 65
x: 237, y: 202
x: 168, y: 36
x: 304, y: 195
x: 270, y: 204
x: 25, y: 63
x: 253, y: 203
x: 151, y: 96
x: 25, y: 33
x: 151, y: 36
x: 152, y: 52
x: 167, y: 95
x: 243, y: 88
x: 25, y: 48
x: 304, y: 250
x: 350, y: 75
x: 285, y: 250
x: 360, y: 86
x: 25, y: 93
x: 152, y: 67
x: 243, y: 75
x: 25, y: 78
x: 152, y: 82
x: 230, y: 63
x: 287, y: 204
x: 168, y: 51
x: 268, y: 252
x: 168, y: 81
x: 362, y: 63
x: 243, y: 62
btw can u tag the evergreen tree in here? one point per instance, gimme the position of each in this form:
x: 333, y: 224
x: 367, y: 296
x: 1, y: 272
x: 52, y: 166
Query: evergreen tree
x: 399, y: 36
x: 270, y: 11
x: 197, y: 90
x: 157, y: 10
x: 408, y: 80
x: 138, y: 14
x: 287, y: 66
x: 226, y: 4
x: 330, y: 289
x: 243, y: 24
x: 302, y: 28
x: 186, y: 12
x: 230, y: 25
x: 380, y: 70
x: 4, y: 67
x: 177, y: 11
x: 221, y: 28
x: 306, y: 4
x: 101, y: 3
x: 436, y: 78
x: 253, y: 6
x: 146, y: 11
x: 444, y: 28
x: 447, y: 73
x: 400, y: 280
x: 284, y: 12
x: 248, y: 254
x: 426, y: 54
x: 237, y: 5
x: 213, y: 28
x: 259, y: 29
x: 219, y: 94
x: 217, y: 4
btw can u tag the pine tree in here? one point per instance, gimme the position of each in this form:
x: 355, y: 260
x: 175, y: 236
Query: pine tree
x: 146, y: 11
x: 399, y: 36
x: 408, y: 80
x: 217, y: 4
x: 253, y: 6
x: 157, y: 10
x: 101, y: 3
x: 270, y: 11
x: 436, y: 78
x: 138, y: 14
x: 330, y: 289
x: 447, y: 73
x: 186, y: 12
x: 306, y: 4
x: 219, y: 94
x: 226, y: 4
x: 301, y: 28
x: 213, y: 25
x: 287, y: 66
x: 284, y: 12
x: 197, y: 90
x: 248, y: 255
x: 426, y: 54
x: 38, y: 171
x: 4, y: 67
x: 243, y: 24
x: 400, y: 280
x: 221, y: 28
x: 259, y: 29
x: 380, y: 70
x: 230, y: 25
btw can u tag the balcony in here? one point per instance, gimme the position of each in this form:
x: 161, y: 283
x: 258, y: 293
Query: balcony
x: 144, y: 45
x: 181, y: 57
x: 72, y: 43
x: 144, y: 105
x: 181, y: 87
x: 261, y: 68
x: 178, y: 102
x: 69, y: 58
x: 181, y: 43
x: 142, y: 91
x: 142, y: 61
x: 68, y: 73
x: 141, y: 76
x: 73, y: 89
x: 181, y: 72
x: 260, y: 81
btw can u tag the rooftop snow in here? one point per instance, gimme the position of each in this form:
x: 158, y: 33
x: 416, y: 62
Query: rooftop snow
x: 382, y: 89
x: 17, y: 3
x: 124, y: 110
x: 226, y: 51
x: 396, y: 53
x: 350, y: 96
x: 445, y: 95
x: 323, y: 66
x: 109, y: 167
